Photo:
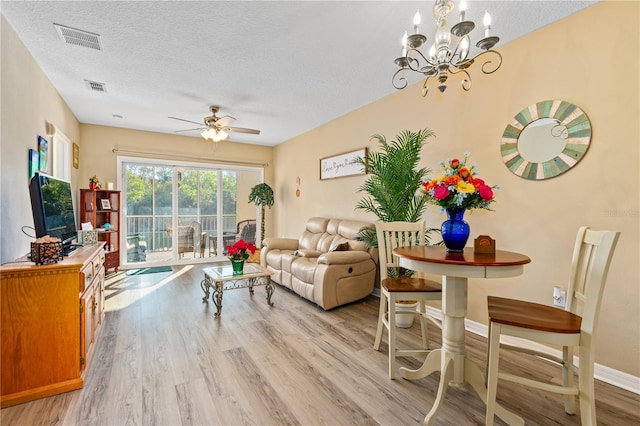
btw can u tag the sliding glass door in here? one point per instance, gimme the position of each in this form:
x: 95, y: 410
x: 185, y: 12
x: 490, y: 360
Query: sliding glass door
x: 182, y: 213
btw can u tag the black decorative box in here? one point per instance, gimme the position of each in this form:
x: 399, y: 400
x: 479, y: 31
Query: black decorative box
x: 45, y: 253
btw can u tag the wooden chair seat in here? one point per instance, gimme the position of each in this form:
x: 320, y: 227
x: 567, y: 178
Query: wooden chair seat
x: 410, y: 284
x: 534, y: 316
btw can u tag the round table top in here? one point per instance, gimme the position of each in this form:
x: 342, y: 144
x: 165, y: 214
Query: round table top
x: 439, y: 254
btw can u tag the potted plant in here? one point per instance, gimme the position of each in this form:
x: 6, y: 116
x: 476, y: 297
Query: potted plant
x: 238, y: 253
x: 394, y: 181
x: 393, y: 191
x: 261, y: 195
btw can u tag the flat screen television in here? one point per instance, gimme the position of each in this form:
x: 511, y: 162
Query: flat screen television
x: 52, y: 207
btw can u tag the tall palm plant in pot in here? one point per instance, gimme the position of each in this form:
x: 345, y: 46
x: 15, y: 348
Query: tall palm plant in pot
x: 261, y: 195
x: 392, y: 190
x: 394, y: 181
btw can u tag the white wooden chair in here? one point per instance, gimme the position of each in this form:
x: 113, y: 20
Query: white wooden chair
x: 397, y: 288
x: 571, y: 327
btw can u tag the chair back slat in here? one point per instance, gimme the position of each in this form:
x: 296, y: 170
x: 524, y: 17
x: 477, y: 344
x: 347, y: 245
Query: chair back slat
x: 391, y: 235
x: 592, y: 256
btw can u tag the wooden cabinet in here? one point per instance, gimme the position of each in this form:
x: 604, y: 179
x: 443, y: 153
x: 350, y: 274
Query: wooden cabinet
x: 51, y: 317
x: 102, y: 207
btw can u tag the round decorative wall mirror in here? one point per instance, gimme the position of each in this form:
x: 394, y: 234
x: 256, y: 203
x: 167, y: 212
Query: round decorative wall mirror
x: 545, y: 140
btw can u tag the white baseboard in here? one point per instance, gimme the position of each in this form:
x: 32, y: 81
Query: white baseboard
x: 606, y: 374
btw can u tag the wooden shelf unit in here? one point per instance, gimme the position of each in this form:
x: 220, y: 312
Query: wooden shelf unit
x: 51, y: 316
x: 91, y: 210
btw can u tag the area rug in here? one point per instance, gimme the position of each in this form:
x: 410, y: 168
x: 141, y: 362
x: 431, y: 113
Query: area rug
x: 149, y: 270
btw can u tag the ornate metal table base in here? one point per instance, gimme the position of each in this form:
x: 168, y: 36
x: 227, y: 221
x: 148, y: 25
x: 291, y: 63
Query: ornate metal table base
x: 219, y: 286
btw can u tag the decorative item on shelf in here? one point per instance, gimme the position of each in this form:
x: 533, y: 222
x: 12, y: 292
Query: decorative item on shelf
x: 105, y: 204
x: 94, y: 183
x: 238, y: 253
x: 484, y: 244
x: 447, y: 55
x: 457, y: 191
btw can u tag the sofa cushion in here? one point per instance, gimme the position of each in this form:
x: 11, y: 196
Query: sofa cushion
x: 350, y: 228
x: 309, y: 240
x: 317, y: 225
x: 304, y: 268
x: 274, y: 258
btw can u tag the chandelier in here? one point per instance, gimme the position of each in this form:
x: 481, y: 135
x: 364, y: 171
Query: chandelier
x: 449, y: 53
x: 214, y: 134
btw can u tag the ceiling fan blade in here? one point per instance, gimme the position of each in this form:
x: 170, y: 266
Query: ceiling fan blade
x: 190, y: 130
x: 224, y: 121
x: 188, y: 121
x: 243, y: 130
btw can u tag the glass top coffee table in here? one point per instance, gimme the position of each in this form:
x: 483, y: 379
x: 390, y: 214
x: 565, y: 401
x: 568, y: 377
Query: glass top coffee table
x: 220, y: 278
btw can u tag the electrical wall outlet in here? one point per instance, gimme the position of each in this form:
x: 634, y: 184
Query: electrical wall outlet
x: 559, y: 297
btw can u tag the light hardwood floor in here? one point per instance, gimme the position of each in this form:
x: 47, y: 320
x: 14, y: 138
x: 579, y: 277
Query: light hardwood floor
x: 163, y: 359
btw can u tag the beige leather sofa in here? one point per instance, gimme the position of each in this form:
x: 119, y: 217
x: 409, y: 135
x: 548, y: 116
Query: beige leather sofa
x: 319, y: 266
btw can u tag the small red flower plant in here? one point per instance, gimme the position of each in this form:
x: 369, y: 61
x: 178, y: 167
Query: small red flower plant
x: 240, y: 250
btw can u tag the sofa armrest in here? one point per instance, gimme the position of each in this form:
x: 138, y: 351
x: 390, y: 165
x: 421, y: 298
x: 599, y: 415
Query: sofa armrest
x: 280, y: 243
x: 343, y: 257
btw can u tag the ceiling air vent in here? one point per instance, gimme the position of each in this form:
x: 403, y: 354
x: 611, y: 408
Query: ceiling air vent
x: 95, y: 86
x: 79, y: 37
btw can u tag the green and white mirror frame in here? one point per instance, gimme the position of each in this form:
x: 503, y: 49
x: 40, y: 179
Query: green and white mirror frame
x: 545, y: 140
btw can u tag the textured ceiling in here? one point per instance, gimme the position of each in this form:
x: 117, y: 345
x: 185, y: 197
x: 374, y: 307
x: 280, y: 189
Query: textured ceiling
x: 281, y: 67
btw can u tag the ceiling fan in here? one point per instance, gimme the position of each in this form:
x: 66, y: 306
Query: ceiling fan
x: 216, y: 128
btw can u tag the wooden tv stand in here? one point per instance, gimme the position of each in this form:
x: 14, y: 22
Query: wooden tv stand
x: 50, y: 320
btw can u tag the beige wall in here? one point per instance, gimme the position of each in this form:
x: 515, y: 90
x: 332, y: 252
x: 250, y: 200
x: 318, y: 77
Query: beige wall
x: 28, y: 100
x: 589, y: 59
x: 100, y: 141
x: 97, y: 156
x: 244, y: 209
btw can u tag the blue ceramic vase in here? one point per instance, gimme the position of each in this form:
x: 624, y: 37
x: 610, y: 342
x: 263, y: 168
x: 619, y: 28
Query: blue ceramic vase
x: 455, y: 231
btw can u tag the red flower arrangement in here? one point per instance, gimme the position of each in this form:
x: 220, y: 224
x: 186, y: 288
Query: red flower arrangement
x: 239, y: 251
x: 459, y: 187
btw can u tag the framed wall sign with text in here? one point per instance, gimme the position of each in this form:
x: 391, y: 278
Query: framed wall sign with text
x: 342, y: 165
